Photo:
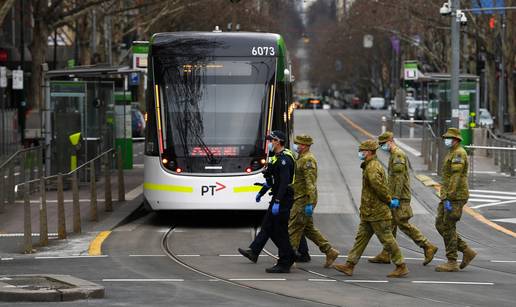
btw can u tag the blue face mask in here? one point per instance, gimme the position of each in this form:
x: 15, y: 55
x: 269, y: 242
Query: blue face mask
x: 385, y: 147
x: 361, y: 155
x: 270, y: 147
x: 448, y: 143
x: 295, y: 148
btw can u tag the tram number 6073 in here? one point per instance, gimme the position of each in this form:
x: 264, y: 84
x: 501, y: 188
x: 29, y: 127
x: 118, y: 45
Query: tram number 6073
x: 263, y: 51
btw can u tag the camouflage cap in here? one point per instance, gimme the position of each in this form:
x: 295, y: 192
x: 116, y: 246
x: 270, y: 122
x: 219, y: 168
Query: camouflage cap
x: 386, y: 136
x: 304, y: 139
x: 453, y: 133
x: 369, y: 145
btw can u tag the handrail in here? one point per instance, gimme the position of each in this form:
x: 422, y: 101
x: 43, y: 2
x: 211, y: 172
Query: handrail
x: 412, y: 121
x: 70, y: 172
x: 489, y: 147
x: 13, y: 156
x: 431, y: 130
x: 497, y: 138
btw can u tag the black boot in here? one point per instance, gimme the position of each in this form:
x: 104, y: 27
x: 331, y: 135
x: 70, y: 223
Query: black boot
x: 278, y: 269
x: 302, y: 257
x: 249, y: 254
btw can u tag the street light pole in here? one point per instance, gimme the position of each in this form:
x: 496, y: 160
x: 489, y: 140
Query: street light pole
x: 501, y: 80
x: 455, y: 64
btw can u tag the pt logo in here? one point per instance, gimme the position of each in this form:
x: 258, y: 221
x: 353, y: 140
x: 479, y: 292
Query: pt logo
x: 211, y: 189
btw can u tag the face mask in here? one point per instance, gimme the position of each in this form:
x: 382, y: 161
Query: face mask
x: 270, y: 147
x: 448, y: 143
x: 361, y: 155
x: 295, y: 148
x: 385, y: 147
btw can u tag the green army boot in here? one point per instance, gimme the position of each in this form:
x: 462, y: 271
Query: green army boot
x: 382, y: 257
x: 346, y: 268
x: 331, y: 255
x: 450, y: 266
x: 400, y: 271
x: 467, y: 256
x: 430, y: 251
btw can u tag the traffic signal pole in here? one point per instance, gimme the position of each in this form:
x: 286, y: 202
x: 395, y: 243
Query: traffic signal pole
x: 455, y: 64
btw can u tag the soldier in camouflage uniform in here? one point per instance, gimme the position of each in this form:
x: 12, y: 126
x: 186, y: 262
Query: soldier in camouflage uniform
x: 305, y: 199
x: 399, y: 186
x: 375, y: 216
x: 454, y: 195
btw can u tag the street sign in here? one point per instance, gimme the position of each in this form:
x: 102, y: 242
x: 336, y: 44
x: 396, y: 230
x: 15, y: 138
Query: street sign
x: 368, y: 41
x: 17, y: 79
x: 3, y: 76
x: 140, y: 51
x: 410, y: 71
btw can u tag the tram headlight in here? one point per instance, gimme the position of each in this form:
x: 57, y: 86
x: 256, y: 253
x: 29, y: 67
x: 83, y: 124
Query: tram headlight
x: 179, y: 170
x: 248, y: 170
x: 164, y: 160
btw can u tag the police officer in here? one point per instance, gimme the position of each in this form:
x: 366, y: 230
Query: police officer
x: 454, y: 195
x: 305, y: 199
x: 275, y: 221
x: 375, y: 216
x: 399, y: 187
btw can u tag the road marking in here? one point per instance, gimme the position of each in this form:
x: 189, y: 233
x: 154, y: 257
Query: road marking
x: 134, y: 192
x: 143, y: 280
x: 320, y: 280
x: 7, y: 259
x: 493, y: 192
x: 257, y: 279
x: 96, y: 245
x: 509, y: 220
x: 364, y: 281
x: 69, y: 257
x: 492, y: 196
x: 147, y: 255
x: 503, y: 261
x: 494, y: 204
x: 452, y: 282
x: 34, y: 234
x: 483, y: 200
x: 408, y: 148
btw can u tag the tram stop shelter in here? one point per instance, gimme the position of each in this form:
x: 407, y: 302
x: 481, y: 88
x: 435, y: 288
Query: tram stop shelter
x: 82, y: 118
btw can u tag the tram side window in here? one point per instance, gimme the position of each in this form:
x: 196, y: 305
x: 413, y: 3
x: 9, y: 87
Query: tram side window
x: 280, y: 109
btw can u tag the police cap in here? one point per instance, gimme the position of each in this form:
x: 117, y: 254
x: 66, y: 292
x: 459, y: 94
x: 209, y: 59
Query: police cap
x: 369, y: 145
x: 304, y: 139
x: 276, y: 135
x: 384, y: 137
x: 453, y: 133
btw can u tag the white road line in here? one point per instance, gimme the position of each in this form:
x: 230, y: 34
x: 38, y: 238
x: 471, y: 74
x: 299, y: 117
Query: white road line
x: 316, y: 273
x: 364, y: 281
x: 321, y: 280
x: 495, y: 204
x: 134, y: 192
x: 69, y: 257
x: 493, y: 192
x: 491, y: 196
x: 230, y: 255
x: 483, y: 200
x: 257, y: 279
x: 503, y: 261
x: 143, y: 280
x: 10, y: 235
x: 509, y: 220
x: 452, y: 282
x: 408, y: 148
x: 7, y: 259
x: 188, y: 255
x: 147, y: 255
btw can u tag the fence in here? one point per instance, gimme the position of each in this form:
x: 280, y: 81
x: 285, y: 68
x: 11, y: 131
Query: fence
x: 9, y: 134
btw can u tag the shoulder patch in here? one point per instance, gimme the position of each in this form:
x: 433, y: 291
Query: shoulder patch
x: 283, y: 162
x: 457, y: 159
x: 308, y: 164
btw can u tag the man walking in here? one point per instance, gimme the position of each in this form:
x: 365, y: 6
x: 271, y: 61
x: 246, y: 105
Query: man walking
x: 399, y: 187
x: 375, y: 216
x: 454, y: 195
x: 305, y: 199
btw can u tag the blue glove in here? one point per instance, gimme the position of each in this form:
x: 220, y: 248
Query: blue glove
x: 258, y: 197
x: 395, y: 203
x: 309, y: 210
x: 275, y: 208
x: 447, y: 205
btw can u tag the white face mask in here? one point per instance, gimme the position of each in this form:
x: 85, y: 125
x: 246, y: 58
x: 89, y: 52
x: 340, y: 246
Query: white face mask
x: 361, y: 155
x: 448, y: 143
x: 385, y: 147
x: 270, y: 147
x: 295, y: 148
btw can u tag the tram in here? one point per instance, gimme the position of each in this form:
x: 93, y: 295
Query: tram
x: 212, y: 99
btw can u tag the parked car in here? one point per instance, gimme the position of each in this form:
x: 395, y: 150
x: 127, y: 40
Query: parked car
x: 484, y: 118
x: 356, y: 103
x: 138, y: 123
x: 377, y: 103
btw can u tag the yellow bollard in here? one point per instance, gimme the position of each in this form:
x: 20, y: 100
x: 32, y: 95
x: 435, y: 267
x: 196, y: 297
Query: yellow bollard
x: 74, y: 139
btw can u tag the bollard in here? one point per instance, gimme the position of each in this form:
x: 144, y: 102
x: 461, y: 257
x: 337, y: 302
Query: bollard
x: 61, y: 219
x: 121, y: 184
x: 93, y: 194
x: 27, y: 219
x: 495, y: 153
x: 108, y: 201
x: 411, y: 129
x: 23, y: 165
x: 76, y: 205
x: 384, y: 120
x: 10, y: 185
x: 513, y: 162
x: 43, y: 221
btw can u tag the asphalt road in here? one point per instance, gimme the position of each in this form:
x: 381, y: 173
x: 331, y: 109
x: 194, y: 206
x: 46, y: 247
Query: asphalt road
x: 175, y: 260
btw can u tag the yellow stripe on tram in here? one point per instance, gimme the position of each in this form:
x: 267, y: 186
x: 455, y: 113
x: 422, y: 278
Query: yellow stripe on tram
x: 247, y: 189
x: 167, y: 187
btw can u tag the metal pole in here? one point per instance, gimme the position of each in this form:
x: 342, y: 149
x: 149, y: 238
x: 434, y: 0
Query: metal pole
x: 43, y: 221
x: 76, y: 205
x: 455, y: 64
x: 93, y: 193
x: 501, y: 81
x: 108, y: 202
x: 61, y: 219
x: 121, y: 183
x: 27, y: 220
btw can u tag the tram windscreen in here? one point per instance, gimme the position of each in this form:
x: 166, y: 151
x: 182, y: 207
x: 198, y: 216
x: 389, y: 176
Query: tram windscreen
x: 214, y: 111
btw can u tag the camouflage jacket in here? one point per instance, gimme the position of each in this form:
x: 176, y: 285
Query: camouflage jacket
x: 455, y: 175
x: 305, y: 182
x: 399, y: 182
x: 375, y: 193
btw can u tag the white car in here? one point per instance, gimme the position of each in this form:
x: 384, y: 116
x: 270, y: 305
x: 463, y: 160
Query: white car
x: 377, y: 103
x: 484, y: 118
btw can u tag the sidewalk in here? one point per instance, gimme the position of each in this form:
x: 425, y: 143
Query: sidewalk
x: 12, y: 220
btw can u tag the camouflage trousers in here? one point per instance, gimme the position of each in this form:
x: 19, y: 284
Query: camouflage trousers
x: 300, y: 224
x: 400, y: 219
x: 445, y: 223
x: 382, y: 229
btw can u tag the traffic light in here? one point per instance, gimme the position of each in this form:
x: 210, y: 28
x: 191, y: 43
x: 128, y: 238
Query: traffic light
x: 492, y: 23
